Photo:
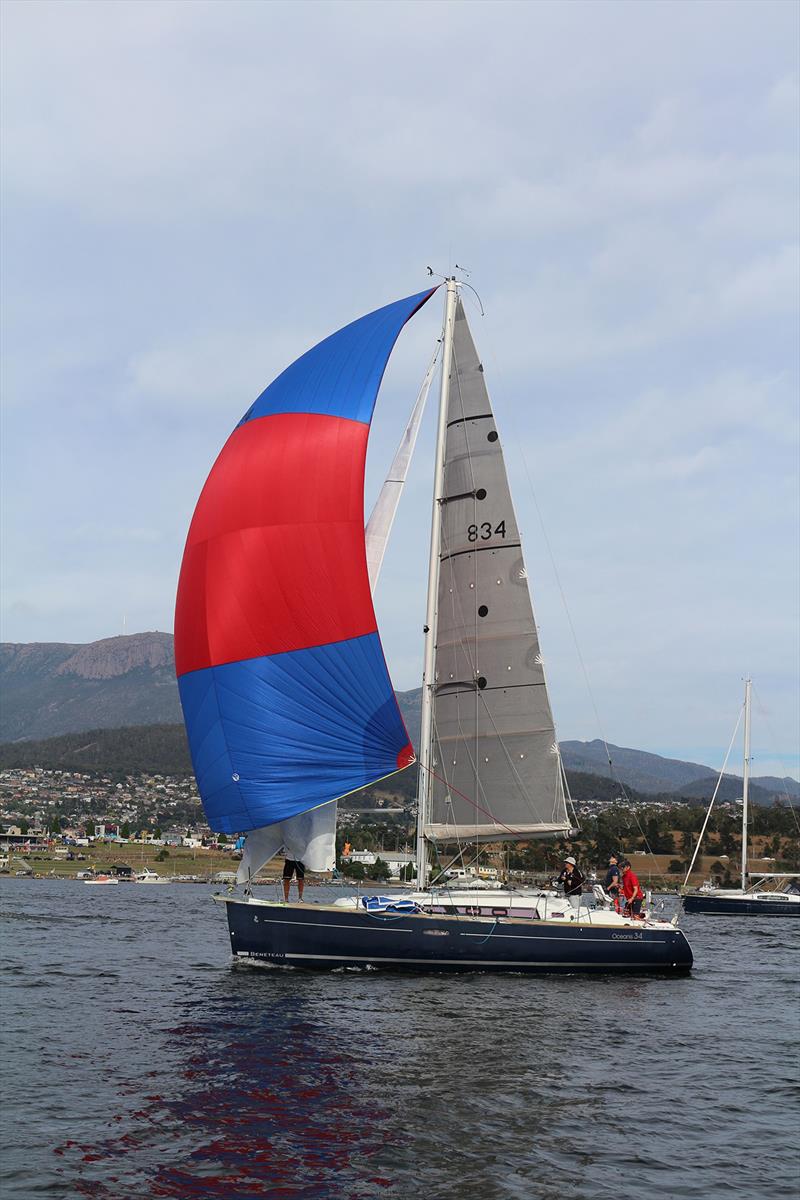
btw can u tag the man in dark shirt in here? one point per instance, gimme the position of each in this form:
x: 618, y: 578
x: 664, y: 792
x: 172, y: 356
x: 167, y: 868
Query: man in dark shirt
x: 572, y: 880
x: 611, y: 883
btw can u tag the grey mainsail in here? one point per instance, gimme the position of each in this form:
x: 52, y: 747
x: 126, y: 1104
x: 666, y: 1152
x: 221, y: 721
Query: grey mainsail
x: 495, y: 769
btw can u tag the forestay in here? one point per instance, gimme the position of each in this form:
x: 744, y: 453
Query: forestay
x: 496, y: 768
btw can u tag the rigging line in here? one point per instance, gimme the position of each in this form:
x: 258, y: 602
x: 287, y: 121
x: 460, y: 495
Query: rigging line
x: 479, y: 788
x: 524, y: 793
x: 476, y: 664
x: 611, y: 765
x: 648, y: 848
x: 455, y: 603
x: 559, y: 585
x: 565, y: 786
x: 612, y: 769
x: 456, y: 858
x: 466, y: 646
x: 480, y: 698
x: 445, y: 887
x: 763, y: 714
x: 483, y: 941
x: 713, y: 798
x: 475, y: 805
x: 446, y: 783
x: 471, y: 758
x: 464, y: 284
x: 523, y: 790
x: 460, y: 858
x: 474, y: 615
x: 454, y: 617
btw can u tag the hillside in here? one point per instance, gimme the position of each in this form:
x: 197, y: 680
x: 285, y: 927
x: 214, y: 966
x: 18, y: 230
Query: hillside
x: 163, y: 750
x: 648, y: 772
x: 730, y: 789
x: 651, y: 773
x: 133, y: 749
x: 52, y: 689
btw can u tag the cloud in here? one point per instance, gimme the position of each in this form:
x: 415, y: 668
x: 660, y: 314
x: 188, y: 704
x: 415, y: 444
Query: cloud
x: 783, y: 100
x: 769, y: 284
x: 219, y: 370
x: 98, y: 533
x: 194, y: 194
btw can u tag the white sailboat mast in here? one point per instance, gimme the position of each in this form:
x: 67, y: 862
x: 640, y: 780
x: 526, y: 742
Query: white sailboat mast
x: 431, y: 612
x: 745, y: 780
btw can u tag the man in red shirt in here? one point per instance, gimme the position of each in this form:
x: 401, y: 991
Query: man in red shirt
x: 632, y: 891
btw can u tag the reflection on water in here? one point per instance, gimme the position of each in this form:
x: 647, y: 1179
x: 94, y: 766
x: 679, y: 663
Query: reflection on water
x: 256, y: 1096
x: 139, y: 1062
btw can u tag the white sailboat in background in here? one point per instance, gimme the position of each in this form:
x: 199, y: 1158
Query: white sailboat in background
x: 490, y: 770
x: 750, y: 898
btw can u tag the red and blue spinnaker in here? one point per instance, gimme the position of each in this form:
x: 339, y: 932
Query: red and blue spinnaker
x: 286, y: 695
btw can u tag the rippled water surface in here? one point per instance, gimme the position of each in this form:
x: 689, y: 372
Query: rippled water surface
x: 137, y: 1062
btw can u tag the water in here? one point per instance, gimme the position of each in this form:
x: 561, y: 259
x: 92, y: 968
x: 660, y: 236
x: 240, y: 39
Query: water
x: 137, y: 1062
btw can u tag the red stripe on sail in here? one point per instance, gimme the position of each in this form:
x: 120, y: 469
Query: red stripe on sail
x: 275, y: 557
x: 406, y: 756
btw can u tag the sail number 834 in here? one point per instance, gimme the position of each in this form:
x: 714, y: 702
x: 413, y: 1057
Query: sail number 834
x: 484, y: 531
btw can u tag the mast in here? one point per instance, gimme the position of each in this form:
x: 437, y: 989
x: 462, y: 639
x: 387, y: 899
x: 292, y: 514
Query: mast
x: 431, y: 611
x: 745, y: 779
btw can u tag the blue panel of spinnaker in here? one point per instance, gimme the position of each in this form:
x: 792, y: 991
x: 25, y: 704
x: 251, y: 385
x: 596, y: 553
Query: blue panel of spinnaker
x: 275, y: 736
x: 341, y: 375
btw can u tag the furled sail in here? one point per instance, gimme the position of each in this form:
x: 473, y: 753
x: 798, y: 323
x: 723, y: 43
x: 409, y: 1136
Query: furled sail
x: 286, y: 697
x: 496, y: 772
x: 379, y: 525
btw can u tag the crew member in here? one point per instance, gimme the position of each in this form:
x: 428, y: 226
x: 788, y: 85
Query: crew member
x: 632, y: 891
x: 611, y: 883
x: 293, y: 867
x: 572, y: 880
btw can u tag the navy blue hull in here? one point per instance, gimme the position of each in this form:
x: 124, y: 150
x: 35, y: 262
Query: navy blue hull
x: 714, y: 906
x: 316, y: 936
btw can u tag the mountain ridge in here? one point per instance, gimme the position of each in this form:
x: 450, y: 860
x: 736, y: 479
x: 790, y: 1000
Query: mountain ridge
x: 163, y: 750
x: 51, y: 689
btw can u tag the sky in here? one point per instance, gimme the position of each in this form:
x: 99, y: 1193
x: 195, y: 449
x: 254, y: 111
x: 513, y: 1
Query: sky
x: 194, y: 194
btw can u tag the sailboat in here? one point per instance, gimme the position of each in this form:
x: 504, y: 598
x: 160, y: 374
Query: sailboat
x: 287, y: 698
x: 750, y: 899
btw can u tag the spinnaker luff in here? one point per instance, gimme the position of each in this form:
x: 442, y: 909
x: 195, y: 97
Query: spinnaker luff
x: 286, y: 696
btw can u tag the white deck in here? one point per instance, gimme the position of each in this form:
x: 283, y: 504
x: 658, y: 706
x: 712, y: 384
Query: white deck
x: 531, y: 904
